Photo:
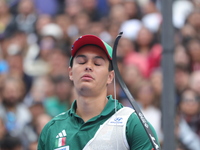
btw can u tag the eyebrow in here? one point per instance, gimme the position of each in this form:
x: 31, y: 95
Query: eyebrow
x: 80, y: 56
x: 99, y: 57
x: 96, y: 57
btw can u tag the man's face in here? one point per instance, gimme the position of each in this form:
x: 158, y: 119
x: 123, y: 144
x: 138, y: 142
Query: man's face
x: 90, y: 72
x: 12, y: 93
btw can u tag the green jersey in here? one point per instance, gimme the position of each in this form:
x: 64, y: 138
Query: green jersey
x: 68, y: 131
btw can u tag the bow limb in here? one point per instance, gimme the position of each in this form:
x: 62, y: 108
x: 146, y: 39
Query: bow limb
x: 130, y: 97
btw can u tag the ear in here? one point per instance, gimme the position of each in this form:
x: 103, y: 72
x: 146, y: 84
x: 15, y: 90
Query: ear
x: 110, y: 77
x: 70, y: 73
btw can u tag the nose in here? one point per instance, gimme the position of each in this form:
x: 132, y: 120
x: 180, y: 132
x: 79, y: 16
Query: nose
x: 89, y: 66
x: 88, y: 69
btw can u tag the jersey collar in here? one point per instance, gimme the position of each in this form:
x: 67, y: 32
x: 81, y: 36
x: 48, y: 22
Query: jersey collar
x: 109, y: 108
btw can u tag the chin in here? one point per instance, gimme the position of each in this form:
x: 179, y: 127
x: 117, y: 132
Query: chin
x: 85, y: 88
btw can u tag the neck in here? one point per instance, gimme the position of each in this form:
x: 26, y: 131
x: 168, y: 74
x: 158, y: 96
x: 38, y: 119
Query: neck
x: 89, y: 107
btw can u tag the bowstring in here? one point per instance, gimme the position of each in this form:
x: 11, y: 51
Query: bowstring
x: 115, y: 97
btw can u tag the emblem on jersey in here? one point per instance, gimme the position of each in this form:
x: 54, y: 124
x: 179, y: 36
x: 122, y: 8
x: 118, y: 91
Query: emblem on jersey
x: 61, y: 140
x: 117, y: 120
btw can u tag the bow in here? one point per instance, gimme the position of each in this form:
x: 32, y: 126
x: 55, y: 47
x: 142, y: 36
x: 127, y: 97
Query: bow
x: 130, y: 97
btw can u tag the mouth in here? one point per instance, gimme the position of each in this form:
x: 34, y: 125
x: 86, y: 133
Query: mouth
x: 87, y: 77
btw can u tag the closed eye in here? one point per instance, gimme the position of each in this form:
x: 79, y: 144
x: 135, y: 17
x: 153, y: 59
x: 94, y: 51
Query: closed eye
x: 81, y: 59
x: 99, y: 61
x: 96, y: 64
x: 81, y: 63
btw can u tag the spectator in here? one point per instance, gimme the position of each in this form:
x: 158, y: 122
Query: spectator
x: 26, y: 16
x: 49, y: 98
x: 190, y: 119
x: 132, y: 8
x: 90, y: 7
x: 156, y: 79
x: 37, y: 93
x: 193, y: 20
x: 181, y: 80
x: 57, y: 61
x: 72, y: 8
x: 132, y: 76
x: 59, y: 103
x: 187, y: 32
x: 125, y: 48
x: 145, y: 98
x: 63, y: 90
x: 13, y: 112
x: 16, y: 69
x: 181, y: 57
x: 193, y: 48
x: 81, y: 22
x: 147, y: 53
x: 190, y: 109
x: 118, y: 14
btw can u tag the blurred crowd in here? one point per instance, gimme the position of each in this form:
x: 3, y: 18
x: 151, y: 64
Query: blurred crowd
x: 35, y: 43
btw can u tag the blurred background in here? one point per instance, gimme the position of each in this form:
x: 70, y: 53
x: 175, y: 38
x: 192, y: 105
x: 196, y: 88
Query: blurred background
x: 35, y: 45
